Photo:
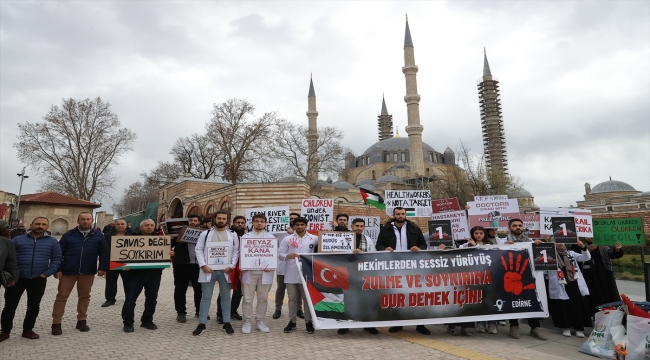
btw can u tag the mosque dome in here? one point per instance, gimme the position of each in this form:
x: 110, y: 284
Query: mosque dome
x: 395, y: 144
x: 611, y: 186
x: 364, y: 182
x: 368, y: 187
x: 343, y: 185
x: 389, y: 178
x: 518, y: 192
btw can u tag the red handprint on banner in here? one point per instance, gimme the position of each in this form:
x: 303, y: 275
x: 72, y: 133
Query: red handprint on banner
x: 512, y: 279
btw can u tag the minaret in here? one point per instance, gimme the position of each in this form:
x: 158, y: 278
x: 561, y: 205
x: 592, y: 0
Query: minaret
x: 412, y: 99
x: 384, y: 122
x: 494, y: 138
x: 312, y: 134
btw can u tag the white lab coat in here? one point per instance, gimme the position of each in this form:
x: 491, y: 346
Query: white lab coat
x: 556, y: 290
x: 267, y: 276
x: 293, y: 244
x: 206, y: 236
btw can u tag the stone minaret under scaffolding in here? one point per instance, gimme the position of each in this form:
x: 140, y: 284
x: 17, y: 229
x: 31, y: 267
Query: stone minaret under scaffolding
x: 494, y: 138
x: 384, y: 122
x: 312, y: 134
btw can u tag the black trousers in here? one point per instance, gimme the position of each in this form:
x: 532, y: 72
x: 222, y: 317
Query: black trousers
x: 235, y: 300
x: 183, y: 275
x: 533, y: 323
x: 111, y: 284
x: 35, y: 289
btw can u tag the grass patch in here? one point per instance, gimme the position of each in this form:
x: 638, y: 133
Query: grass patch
x: 627, y: 276
x: 629, y: 267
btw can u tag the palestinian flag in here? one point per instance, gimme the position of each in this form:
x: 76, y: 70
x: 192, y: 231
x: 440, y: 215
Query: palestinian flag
x: 374, y: 199
x: 326, y: 303
x: 117, y: 265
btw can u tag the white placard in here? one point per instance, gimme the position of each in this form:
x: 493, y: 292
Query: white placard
x: 319, y: 213
x: 338, y: 241
x: 277, y: 218
x: 373, y: 225
x: 416, y: 202
x: 582, y: 218
x: 459, y: 225
x: 258, y: 254
x: 217, y: 255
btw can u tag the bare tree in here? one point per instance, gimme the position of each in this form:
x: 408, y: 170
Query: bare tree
x: 163, y: 173
x: 135, y: 198
x: 76, y: 146
x: 240, y: 140
x: 292, y: 149
x: 198, y: 156
x: 470, y: 179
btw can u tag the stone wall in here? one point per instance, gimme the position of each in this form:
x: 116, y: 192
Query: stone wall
x: 62, y: 217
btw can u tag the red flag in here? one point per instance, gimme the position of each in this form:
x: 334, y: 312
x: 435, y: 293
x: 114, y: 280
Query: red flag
x: 330, y: 276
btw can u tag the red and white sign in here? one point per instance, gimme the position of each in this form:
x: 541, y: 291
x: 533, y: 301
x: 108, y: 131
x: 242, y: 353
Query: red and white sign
x: 582, y: 217
x: 458, y: 219
x: 531, y: 222
x: 319, y: 213
x: 492, y: 213
x: 445, y: 205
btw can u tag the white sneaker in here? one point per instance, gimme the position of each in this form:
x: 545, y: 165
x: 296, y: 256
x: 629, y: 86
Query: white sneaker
x: 567, y: 333
x: 580, y: 334
x: 261, y: 326
x: 502, y: 323
x: 246, y: 327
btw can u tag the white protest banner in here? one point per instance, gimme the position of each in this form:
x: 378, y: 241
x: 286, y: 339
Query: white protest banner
x: 217, y: 255
x: 492, y: 213
x: 140, y: 252
x: 258, y: 254
x: 373, y: 225
x: 531, y: 224
x: 319, y: 213
x: 277, y: 218
x: 582, y: 220
x: 483, y: 198
x: 459, y: 226
x: 189, y: 235
x: 416, y: 202
x: 337, y: 241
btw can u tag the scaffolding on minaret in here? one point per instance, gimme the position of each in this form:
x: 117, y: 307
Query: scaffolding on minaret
x: 494, y: 138
x: 384, y: 122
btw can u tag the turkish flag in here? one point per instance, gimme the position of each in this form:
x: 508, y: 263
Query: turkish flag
x: 330, y: 276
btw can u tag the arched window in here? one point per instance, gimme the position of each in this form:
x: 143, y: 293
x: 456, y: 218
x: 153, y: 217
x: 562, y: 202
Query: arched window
x: 403, y: 156
x: 211, y: 209
x: 225, y: 206
x: 432, y: 157
x: 368, y: 160
x: 363, y: 160
x: 387, y: 157
x: 394, y: 157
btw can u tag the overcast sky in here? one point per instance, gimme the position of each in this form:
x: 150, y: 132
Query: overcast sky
x: 575, y: 76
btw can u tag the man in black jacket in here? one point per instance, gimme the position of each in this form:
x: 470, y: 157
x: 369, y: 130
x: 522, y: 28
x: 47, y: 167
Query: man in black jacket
x: 186, y: 270
x: 402, y: 234
x: 110, y: 291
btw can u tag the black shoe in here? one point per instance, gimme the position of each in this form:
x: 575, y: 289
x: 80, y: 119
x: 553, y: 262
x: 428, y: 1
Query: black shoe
x: 394, y: 329
x: 149, y: 325
x: 128, y: 328
x: 56, y: 329
x: 300, y: 314
x: 181, y: 318
x: 371, y: 330
x: 236, y: 316
x: 81, y: 326
x: 342, y: 331
x: 277, y: 314
x: 108, y: 303
x: 199, y: 330
x: 219, y: 320
x: 291, y: 327
x: 310, y: 328
x: 422, y: 330
x: 228, y: 329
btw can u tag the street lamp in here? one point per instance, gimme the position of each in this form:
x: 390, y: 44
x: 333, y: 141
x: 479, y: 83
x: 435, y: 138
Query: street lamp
x: 22, y: 178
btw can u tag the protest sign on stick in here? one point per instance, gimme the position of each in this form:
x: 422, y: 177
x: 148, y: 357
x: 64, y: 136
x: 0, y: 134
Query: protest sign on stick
x: 140, y: 252
x: 258, y: 254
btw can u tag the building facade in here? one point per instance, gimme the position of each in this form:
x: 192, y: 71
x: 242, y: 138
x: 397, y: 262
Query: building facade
x: 62, y: 210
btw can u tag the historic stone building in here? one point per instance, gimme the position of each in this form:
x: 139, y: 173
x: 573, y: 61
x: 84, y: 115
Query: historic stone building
x: 61, y: 210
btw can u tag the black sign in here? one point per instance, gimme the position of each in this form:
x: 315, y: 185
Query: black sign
x: 440, y: 233
x: 564, y: 230
x: 544, y: 257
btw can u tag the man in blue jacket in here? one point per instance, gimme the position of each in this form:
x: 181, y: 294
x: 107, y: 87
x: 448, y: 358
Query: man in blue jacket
x: 81, y: 247
x: 39, y: 256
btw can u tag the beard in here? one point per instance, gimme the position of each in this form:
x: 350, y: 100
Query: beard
x: 219, y: 225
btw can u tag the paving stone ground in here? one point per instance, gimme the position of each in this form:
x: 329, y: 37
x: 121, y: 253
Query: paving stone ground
x: 174, y: 340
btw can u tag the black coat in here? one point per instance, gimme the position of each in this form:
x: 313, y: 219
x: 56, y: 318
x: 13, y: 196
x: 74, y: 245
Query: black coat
x: 387, y: 239
x: 8, y: 261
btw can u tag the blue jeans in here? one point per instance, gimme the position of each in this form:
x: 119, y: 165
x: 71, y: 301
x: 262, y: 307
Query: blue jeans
x: 134, y: 286
x: 206, y: 297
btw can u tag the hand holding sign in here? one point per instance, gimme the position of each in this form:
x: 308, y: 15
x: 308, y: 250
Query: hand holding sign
x: 512, y: 279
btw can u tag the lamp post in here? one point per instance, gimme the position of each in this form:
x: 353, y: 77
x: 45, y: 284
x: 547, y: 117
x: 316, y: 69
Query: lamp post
x: 22, y: 178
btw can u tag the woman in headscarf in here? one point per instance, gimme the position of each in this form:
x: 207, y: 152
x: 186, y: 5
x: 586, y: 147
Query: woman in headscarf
x: 568, y: 291
x: 479, y: 237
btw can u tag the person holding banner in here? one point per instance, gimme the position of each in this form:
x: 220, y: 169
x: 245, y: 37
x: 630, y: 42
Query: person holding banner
x: 478, y: 238
x: 516, y: 234
x: 186, y: 270
x: 599, y: 274
x: 219, y: 234
x: 364, y: 244
x: 280, y: 289
x: 139, y: 280
x: 239, y: 228
x: 568, y: 290
x: 256, y: 281
x: 301, y: 242
x: 410, y: 238
x: 110, y: 291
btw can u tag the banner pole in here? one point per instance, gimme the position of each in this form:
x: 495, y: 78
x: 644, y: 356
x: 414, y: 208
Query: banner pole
x: 646, y: 270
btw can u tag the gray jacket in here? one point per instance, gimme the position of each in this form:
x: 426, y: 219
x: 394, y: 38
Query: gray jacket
x: 8, y: 260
